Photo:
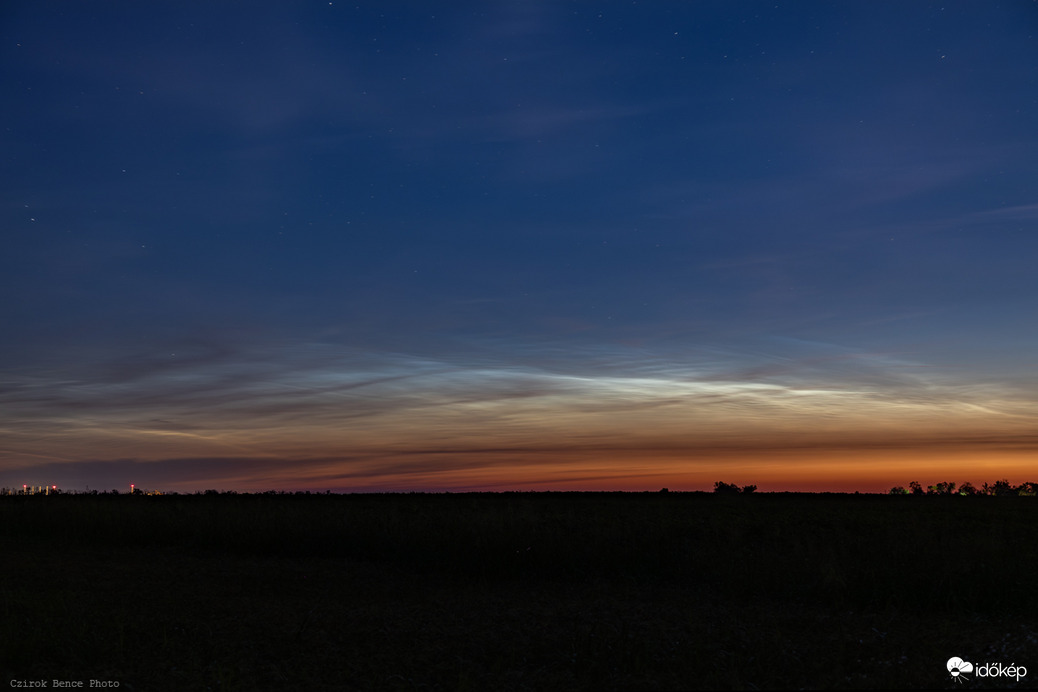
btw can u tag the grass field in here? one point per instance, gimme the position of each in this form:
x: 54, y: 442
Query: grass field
x: 516, y: 591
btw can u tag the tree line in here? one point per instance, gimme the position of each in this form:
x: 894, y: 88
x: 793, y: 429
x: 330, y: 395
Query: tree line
x: 1002, y: 488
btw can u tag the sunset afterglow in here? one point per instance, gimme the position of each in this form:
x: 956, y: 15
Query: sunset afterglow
x: 519, y: 246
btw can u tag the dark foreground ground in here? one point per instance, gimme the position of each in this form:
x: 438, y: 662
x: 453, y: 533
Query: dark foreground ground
x: 532, y: 591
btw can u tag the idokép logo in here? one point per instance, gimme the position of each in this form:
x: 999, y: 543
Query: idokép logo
x: 958, y: 669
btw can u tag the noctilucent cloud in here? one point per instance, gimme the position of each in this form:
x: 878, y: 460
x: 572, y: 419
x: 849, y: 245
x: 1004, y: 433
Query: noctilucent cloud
x: 518, y: 245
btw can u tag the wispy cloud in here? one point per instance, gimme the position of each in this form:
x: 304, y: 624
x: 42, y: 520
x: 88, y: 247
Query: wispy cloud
x: 316, y: 407
x: 1019, y: 212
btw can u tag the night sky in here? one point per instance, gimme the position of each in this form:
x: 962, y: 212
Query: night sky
x: 518, y: 245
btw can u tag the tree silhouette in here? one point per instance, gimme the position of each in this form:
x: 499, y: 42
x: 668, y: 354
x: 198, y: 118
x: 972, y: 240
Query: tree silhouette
x: 1002, y: 488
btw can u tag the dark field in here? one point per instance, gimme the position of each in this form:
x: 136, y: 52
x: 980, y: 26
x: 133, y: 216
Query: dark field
x: 517, y: 591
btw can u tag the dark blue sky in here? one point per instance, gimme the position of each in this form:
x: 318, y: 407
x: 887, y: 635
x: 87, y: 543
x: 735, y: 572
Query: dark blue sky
x: 518, y: 244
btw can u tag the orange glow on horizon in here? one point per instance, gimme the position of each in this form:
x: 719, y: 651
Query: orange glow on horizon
x: 776, y: 471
